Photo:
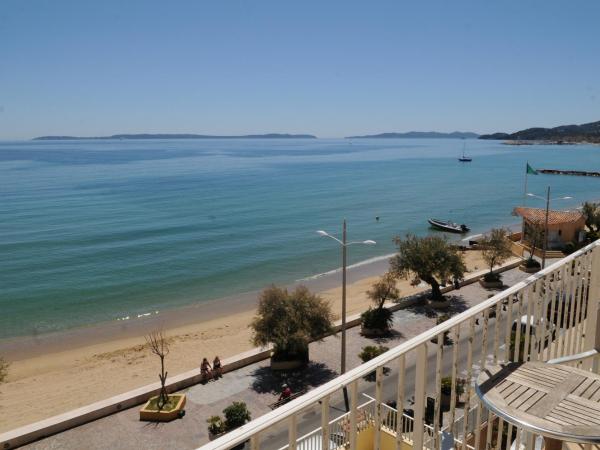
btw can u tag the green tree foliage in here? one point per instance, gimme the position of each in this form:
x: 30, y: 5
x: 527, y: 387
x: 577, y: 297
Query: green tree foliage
x: 591, y: 212
x: 382, y: 290
x: 3, y: 369
x: 236, y: 415
x: 371, y: 351
x: 290, y: 320
x: 430, y: 259
x: 534, y: 235
x: 495, y: 248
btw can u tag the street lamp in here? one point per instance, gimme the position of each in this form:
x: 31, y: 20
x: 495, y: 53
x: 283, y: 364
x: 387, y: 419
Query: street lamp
x: 529, y: 194
x: 344, y: 245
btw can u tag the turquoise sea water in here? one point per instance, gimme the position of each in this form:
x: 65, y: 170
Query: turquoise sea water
x: 92, y: 231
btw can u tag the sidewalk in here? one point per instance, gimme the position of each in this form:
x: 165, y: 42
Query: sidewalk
x: 255, y: 385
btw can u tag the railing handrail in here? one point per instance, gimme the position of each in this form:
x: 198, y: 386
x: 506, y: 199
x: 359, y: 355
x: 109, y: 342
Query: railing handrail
x: 262, y: 423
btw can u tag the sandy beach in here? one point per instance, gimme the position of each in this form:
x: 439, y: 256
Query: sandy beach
x: 53, y: 374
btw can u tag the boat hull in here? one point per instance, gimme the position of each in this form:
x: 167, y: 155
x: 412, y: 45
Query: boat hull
x: 439, y: 225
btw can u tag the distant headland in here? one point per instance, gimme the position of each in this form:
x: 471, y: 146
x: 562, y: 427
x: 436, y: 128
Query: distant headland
x: 564, y: 134
x: 420, y: 135
x: 178, y: 136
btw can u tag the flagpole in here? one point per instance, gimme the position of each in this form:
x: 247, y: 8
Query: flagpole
x: 526, y: 174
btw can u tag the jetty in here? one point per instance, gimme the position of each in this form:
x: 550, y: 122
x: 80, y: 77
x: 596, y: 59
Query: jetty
x: 580, y: 173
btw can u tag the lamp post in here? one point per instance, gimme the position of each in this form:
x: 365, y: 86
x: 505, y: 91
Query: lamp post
x: 547, y: 199
x: 344, y: 245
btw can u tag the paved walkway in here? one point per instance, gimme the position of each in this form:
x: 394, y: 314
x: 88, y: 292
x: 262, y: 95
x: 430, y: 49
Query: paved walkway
x: 255, y: 385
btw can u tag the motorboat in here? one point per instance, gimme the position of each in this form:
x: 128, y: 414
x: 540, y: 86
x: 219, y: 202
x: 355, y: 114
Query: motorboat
x: 448, y: 226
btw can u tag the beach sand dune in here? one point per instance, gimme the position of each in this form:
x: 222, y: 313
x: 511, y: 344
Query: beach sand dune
x: 45, y: 385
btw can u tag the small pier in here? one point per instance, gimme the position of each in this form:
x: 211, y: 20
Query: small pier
x: 579, y: 173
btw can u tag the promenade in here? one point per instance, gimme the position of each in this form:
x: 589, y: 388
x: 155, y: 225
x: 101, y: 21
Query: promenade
x: 258, y: 387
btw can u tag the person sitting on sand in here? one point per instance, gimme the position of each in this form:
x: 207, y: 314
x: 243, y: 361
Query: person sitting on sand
x: 285, y: 394
x: 205, y: 369
x: 217, y: 369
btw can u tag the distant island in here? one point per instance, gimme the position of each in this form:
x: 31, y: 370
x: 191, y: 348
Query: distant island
x: 564, y: 134
x: 178, y: 136
x: 420, y: 135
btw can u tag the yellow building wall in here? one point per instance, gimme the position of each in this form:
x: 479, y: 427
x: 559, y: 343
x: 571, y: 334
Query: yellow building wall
x: 388, y: 442
x: 366, y: 440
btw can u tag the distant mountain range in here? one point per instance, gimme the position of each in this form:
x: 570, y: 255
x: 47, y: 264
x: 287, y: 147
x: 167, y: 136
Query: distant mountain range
x: 420, y: 134
x: 179, y: 136
x: 587, y: 132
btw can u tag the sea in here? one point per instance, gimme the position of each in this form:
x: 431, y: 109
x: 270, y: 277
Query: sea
x: 94, y: 231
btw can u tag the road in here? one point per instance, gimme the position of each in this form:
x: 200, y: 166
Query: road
x: 310, y: 420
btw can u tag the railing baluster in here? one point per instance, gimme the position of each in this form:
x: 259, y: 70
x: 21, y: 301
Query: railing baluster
x: 378, y: 396
x: 438, y: 391
x: 421, y: 377
x: 517, y: 339
x: 455, y: 346
x: 325, y: 422
x: 483, y: 363
x: 353, y: 408
x: 497, y: 330
x: 578, y: 294
x: 509, y: 434
x: 292, y: 432
x: 489, y: 431
x: 469, y: 377
x: 499, y: 434
x: 542, y: 321
x: 508, y: 330
x: 400, y: 403
x: 540, y: 312
x: 560, y: 285
x: 528, y: 298
x: 550, y: 335
x: 254, y: 442
x: 571, y: 316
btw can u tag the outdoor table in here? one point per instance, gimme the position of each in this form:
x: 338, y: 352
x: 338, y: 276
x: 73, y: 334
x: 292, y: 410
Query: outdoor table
x: 560, y: 403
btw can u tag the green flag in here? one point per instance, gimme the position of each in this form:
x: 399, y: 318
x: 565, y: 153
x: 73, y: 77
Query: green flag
x: 531, y: 170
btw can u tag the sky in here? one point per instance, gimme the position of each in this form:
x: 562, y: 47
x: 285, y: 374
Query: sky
x: 329, y: 68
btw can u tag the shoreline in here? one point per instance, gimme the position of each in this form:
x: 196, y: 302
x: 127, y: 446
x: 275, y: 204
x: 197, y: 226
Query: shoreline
x: 24, y: 347
x: 59, y: 375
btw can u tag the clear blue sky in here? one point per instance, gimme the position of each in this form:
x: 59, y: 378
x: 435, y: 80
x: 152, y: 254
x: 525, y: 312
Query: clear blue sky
x: 331, y: 68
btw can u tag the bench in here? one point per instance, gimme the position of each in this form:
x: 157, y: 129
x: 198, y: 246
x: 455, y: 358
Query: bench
x: 283, y: 401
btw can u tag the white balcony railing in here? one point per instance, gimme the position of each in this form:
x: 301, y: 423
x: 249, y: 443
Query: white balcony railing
x: 558, y: 310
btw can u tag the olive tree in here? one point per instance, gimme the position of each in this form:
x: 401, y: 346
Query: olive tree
x: 430, y: 259
x: 591, y: 212
x: 382, y: 290
x: 290, y: 321
x: 495, y: 249
x: 535, y: 238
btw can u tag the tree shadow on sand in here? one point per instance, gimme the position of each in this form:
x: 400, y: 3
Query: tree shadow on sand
x: 270, y: 381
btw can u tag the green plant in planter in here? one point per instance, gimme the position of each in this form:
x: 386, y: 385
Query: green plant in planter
x: 371, y: 351
x: 290, y: 321
x: 236, y: 415
x: 532, y: 263
x: 495, y: 250
x: 368, y: 353
x: 215, y: 425
x: 384, y: 289
x: 534, y: 235
x: 446, y: 387
x: 427, y: 259
x: 570, y: 247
